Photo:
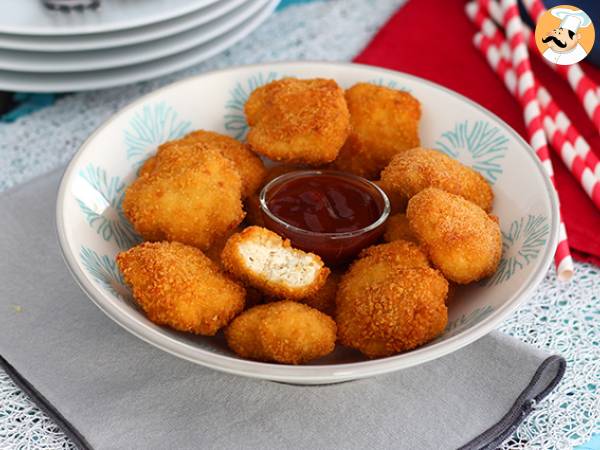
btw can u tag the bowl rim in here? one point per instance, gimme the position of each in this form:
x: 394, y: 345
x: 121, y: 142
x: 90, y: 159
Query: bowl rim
x: 264, y: 207
x: 308, y: 374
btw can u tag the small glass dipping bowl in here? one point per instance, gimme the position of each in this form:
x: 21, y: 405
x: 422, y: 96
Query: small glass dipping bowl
x: 337, y: 247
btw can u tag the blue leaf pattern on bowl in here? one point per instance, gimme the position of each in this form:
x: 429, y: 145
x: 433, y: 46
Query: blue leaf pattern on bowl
x: 521, y: 244
x: 235, y: 119
x: 100, y: 199
x: 479, y: 145
x: 467, y: 320
x: 150, y: 127
x: 104, y: 270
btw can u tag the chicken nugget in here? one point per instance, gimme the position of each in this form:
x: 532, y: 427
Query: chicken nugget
x: 387, y: 309
x: 460, y: 238
x: 178, y: 286
x: 286, y: 332
x: 400, y: 253
x: 384, y: 122
x: 397, y: 227
x: 323, y: 299
x: 191, y: 194
x: 250, y: 167
x: 262, y: 259
x: 148, y: 166
x: 299, y: 121
x: 411, y: 171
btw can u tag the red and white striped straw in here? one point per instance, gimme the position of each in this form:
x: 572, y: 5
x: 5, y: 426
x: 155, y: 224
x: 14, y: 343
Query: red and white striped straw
x: 493, y: 9
x: 576, y: 164
x: 562, y: 258
x: 573, y: 161
x: 581, y: 146
x: 573, y: 135
x: 586, y: 90
x: 479, y: 17
x: 525, y: 81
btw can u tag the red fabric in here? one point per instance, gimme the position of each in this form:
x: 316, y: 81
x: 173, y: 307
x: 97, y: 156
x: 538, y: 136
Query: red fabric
x: 433, y: 39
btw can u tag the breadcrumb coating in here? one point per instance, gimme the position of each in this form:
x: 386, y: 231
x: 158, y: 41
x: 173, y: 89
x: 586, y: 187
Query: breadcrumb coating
x: 286, y: 332
x: 322, y: 300
x: 250, y: 167
x: 263, y: 260
x: 460, y: 238
x: 188, y: 193
x: 411, y: 171
x: 178, y: 286
x: 298, y: 121
x: 384, y: 122
x: 148, y: 166
x: 404, y: 254
x: 397, y: 228
x: 391, y: 309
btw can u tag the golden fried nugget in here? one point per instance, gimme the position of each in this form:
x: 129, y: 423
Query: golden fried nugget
x: 400, y: 253
x: 262, y: 259
x: 178, y: 286
x: 384, y: 122
x: 301, y: 121
x: 459, y: 237
x: 148, y: 166
x: 324, y: 298
x: 390, y: 309
x: 191, y: 195
x: 248, y: 164
x: 285, y: 332
x: 411, y: 171
x: 397, y: 228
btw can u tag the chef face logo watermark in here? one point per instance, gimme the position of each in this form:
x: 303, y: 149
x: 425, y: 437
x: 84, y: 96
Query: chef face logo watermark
x: 564, y: 35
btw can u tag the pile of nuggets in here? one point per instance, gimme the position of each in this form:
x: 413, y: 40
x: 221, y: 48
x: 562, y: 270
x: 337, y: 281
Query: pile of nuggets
x: 208, y: 263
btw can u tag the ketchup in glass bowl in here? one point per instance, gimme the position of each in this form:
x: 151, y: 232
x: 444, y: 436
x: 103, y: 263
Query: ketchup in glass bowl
x: 330, y: 213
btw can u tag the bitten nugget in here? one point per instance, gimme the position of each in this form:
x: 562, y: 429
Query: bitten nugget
x: 409, y: 172
x: 285, y: 332
x: 323, y: 299
x: 386, y: 309
x: 177, y: 286
x: 459, y: 237
x: 302, y: 121
x: 250, y: 167
x: 264, y: 260
x: 384, y: 122
x: 397, y: 227
x: 190, y: 193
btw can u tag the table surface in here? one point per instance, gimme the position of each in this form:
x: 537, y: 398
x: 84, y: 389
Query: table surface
x: 562, y: 318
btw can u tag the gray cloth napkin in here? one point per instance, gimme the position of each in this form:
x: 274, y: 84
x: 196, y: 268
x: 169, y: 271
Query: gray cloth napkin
x: 109, y: 390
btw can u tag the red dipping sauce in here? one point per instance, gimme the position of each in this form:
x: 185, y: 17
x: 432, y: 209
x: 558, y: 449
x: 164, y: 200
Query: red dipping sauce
x: 332, y: 214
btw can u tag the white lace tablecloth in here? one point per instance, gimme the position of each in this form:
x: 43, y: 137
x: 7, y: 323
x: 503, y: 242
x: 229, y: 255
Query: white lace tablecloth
x: 562, y: 318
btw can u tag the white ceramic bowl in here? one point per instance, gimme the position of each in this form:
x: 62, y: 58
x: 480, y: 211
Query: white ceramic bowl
x: 92, y: 229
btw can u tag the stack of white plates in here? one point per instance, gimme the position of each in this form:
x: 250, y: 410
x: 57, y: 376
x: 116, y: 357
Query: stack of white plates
x: 121, y: 42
